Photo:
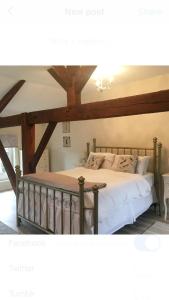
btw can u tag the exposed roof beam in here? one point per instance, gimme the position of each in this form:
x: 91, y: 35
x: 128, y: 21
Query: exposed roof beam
x: 72, y: 79
x: 11, y: 121
x: 132, y: 105
x: 82, y: 76
x: 10, y: 94
x: 59, y: 76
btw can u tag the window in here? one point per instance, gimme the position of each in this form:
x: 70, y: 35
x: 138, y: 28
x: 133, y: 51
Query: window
x: 12, y: 156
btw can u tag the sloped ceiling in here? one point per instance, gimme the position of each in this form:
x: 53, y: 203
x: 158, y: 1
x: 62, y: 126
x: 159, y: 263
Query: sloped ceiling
x: 41, y: 91
x: 39, y: 74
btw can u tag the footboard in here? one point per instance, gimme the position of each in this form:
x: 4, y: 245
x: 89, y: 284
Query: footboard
x: 38, y: 211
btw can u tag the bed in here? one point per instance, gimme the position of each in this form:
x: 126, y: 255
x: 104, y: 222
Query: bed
x: 83, y: 200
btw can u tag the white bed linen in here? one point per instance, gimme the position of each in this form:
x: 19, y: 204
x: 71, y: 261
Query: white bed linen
x: 125, y: 197
x: 150, y: 178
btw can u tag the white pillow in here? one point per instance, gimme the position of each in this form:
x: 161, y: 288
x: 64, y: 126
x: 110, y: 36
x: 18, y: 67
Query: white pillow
x: 142, y: 164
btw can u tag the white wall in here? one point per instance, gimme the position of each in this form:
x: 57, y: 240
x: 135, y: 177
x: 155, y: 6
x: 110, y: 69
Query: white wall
x: 31, y: 96
x: 130, y: 131
x: 148, y: 85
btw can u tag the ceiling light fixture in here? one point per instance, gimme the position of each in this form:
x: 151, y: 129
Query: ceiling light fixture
x: 104, y: 76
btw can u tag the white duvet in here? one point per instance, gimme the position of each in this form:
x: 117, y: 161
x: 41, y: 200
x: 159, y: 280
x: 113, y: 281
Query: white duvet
x: 125, y: 197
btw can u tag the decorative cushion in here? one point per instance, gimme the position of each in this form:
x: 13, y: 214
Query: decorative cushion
x: 108, y: 161
x: 125, y: 163
x: 142, y: 165
x: 94, y: 161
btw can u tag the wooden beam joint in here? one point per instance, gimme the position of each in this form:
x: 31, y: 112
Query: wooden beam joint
x: 72, y: 79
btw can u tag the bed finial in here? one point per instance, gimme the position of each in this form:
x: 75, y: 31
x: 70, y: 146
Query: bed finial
x: 81, y: 180
x: 18, y: 171
x: 155, y: 140
x: 160, y: 145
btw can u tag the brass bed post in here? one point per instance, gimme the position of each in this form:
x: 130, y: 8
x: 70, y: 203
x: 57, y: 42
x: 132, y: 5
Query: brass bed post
x: 81, y: 181
x: 94, y: 145
x: 159, y: 176
x: 155, y: 170
x: 18, y: 176
x: 88, y: 149
x: 155, y: 158
x: 95, y: 192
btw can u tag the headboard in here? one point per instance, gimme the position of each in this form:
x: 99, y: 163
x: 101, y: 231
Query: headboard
x: 155, y: 152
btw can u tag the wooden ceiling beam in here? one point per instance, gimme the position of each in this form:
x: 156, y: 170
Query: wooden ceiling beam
x: 11, y: 93
x: 132, y: 105
x: 11, y: 121
x: 72, y: 79
x: 8, y: 166
x: 42, y: 145
x: 82, y: 76
x: 59, y: 75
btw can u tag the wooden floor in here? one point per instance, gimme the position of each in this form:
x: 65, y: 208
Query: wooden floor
x: 143, y: 223
x: 8, y: 216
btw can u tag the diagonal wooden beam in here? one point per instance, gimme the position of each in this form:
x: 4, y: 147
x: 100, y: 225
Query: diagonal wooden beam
x: 59, y: 76
x: 43, y: 143
x: 82, y: 76
x: 12, y: 92
x: 65, y: 76
x: 8, y: 166
x: 72, y: 79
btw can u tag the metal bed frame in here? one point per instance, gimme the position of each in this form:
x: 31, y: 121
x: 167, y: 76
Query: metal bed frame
x: 80, y: 194
x: 155, y: 152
